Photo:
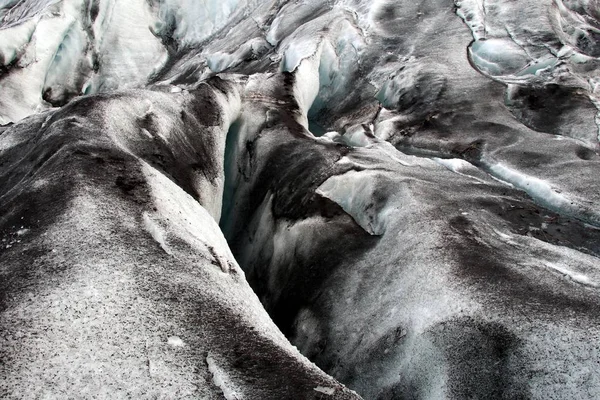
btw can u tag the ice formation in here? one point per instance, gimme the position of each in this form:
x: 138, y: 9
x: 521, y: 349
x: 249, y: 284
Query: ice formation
x: 261, y: 199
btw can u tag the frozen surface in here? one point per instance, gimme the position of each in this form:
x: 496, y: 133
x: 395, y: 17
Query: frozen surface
x: 407, y: 192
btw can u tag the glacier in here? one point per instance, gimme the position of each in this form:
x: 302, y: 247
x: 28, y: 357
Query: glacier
x: 308, y: 199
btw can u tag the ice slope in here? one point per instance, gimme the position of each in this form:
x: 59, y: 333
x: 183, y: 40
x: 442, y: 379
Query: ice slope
x: 116, y: 280
x: 410, y: 187
x: 395, y: 282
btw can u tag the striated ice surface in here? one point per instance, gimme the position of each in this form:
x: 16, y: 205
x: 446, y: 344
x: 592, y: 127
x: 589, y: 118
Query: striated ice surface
x: 15, y: 12
x: 262, y: 199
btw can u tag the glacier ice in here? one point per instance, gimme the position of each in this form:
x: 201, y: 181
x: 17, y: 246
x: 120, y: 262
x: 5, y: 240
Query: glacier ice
x: 268, y: 199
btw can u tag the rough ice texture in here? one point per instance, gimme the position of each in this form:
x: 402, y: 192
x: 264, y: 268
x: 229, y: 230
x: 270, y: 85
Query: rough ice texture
x: 408, y: 192
x: 113, y: 283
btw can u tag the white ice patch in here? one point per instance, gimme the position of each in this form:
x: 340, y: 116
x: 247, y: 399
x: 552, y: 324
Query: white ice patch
x: 297, y: 51
x: 502, y: 235
x: 175, y: 341
x: 357, y: 136
x: 220, y: 61
x: 15, y: 12
x: 221, y: 380
x: 459, y: 166
x: 63, y: 73
x: 325, y: 390
x: 330, y: 137
x: 353, y: 191
x: 339, y: 62
x: 307, y: 87
x: 538, y: 66
x: 542, y: 192
x: 15, y: 40
x: 473, y: 13
x: 130, y: 53
x: 22, y: 88
x: 155, y: 231
x: 572, y: 275
x: 53, y: 50
x: 195, y: 20
x: 455, y: 164
x: 498, y: 56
